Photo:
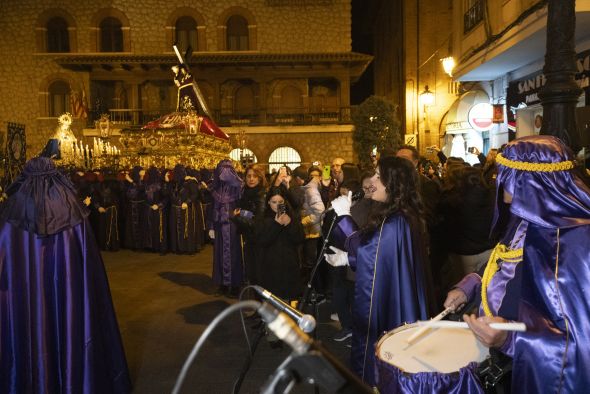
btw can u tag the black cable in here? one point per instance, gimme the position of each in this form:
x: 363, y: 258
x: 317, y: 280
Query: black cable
x: 226, y: 312
x: 251, y: 347
x: 242, y: 318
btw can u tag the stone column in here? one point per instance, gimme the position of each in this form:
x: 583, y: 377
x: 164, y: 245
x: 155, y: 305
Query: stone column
x: 134, y: 103
x: 252, y: 38
x: 560, y: 94
x: 201, y: 39
x: 262, y: 104
x: 344, y: 99
x: 221, y: 37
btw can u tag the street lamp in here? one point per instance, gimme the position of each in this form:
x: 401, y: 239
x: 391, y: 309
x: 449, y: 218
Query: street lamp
x: 448, y: 64
x: 427, y: 100
x: 426, y: 97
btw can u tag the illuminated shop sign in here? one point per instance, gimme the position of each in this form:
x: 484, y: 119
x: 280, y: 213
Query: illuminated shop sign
x: 526, y: 90
x: 480, y: 117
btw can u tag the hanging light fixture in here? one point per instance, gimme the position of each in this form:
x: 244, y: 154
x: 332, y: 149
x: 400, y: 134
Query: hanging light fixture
x: 427, y: 97
x: 448, y: 64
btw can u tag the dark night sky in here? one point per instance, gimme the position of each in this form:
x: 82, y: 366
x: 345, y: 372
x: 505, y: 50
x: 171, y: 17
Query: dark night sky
x: 362, y: 42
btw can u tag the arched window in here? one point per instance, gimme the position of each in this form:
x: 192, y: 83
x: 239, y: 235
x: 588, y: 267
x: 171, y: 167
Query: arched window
x: 58, y: 39
x: 59, y: 98
x: 237, y: 33
x: 281, y: 156
x: 186, y: 33
x: 111, y: 35
x: 244, y: 101
x: 239, y: 154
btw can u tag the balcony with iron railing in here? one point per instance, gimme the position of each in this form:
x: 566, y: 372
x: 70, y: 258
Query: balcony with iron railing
x: 258, y: 117
x: 473, y: 16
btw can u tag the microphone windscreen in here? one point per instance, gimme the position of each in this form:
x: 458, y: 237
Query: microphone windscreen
x: 358, y: 195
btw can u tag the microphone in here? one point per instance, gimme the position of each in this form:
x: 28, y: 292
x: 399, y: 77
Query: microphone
x: 356, y: 196
x: 326, y: 371
x: 305, y: 322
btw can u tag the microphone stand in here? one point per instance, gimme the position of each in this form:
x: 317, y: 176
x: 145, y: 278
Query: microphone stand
x: 308, y: 288
x: 315, y: 367
x: 309, y: 362
x: 248, y: 361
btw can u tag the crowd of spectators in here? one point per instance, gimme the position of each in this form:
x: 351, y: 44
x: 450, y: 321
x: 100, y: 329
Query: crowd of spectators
x: 282, y: 219
x: 269, y: 230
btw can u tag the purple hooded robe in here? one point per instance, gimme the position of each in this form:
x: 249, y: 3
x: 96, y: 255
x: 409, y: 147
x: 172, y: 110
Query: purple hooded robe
x: 58, y: 330
x: 552, y: 356
x: 226, y: 190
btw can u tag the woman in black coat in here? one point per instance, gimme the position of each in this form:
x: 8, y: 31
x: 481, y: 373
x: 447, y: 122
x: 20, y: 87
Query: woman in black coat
x: 278, y: 235
x: 251, y: 209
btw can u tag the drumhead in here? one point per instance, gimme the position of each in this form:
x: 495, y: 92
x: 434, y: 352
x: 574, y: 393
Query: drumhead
x: 443, y: 350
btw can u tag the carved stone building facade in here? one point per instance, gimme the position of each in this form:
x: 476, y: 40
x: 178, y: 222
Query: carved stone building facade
x: 280, y: 70
x: 410, y: 37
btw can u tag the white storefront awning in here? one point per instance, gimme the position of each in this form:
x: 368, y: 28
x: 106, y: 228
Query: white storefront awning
x: 458, y: 115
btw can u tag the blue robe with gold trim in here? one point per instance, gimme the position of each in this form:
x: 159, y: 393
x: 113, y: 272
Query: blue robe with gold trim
x: 553, y: 356
x: 391, y: 284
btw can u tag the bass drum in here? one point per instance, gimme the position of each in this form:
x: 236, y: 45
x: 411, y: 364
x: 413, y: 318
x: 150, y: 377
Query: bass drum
x: 442, y: 360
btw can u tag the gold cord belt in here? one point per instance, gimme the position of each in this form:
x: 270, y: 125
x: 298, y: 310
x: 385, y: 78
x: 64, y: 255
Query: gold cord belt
x: 500, y: 252
x: 161, y: 226
x: 185, y: 219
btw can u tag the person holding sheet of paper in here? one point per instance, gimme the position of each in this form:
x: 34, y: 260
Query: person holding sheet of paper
x: 540, y: 186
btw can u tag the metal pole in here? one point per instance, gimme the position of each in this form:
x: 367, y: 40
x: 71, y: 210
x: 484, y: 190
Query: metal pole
x: 559, y: 96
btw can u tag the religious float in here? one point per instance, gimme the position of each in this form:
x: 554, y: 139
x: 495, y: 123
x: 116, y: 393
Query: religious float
x: 187, y: 136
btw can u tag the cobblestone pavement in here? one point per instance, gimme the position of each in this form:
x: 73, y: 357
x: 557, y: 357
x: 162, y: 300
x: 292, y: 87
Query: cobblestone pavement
x: 163, y: 304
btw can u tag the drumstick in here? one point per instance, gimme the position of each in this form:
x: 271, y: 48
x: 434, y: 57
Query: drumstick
x: 460, y: 324
x: 427, y: 325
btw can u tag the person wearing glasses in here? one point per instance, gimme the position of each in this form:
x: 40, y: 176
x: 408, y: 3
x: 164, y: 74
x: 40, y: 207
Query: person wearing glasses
x: 389, y: 256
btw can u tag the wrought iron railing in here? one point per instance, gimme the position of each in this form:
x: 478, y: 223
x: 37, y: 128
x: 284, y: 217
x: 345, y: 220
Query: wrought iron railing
x: 473, y: 16
x: 284, y: 117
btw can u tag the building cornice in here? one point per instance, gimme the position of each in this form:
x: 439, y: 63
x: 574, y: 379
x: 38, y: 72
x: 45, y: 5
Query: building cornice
x: 356, y: 62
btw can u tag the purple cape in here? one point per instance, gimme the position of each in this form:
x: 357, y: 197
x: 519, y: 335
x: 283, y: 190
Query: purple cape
x: 58, y: 330
x: 390, y: 287
x: 226, y: 191
x: 552, y: 356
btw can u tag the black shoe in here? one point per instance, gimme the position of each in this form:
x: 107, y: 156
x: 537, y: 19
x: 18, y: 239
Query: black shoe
x: 318, y: 299
x: 342, y: 335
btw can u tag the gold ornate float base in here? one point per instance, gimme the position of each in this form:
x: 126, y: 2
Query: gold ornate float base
x: 166, y: 148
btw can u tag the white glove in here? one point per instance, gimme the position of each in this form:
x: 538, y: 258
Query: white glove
x: 338, y: 259
x: 212, y: 234
x: 341, y: 205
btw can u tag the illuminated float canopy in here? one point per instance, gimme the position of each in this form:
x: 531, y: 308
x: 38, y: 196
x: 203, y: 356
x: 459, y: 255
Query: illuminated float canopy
x: 187, y: 136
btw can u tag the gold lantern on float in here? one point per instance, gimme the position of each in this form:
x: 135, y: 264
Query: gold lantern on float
x: 184, y: 136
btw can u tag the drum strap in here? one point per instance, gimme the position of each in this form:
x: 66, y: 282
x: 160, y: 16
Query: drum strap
x: 500, y: 252
x: 495, y: 371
